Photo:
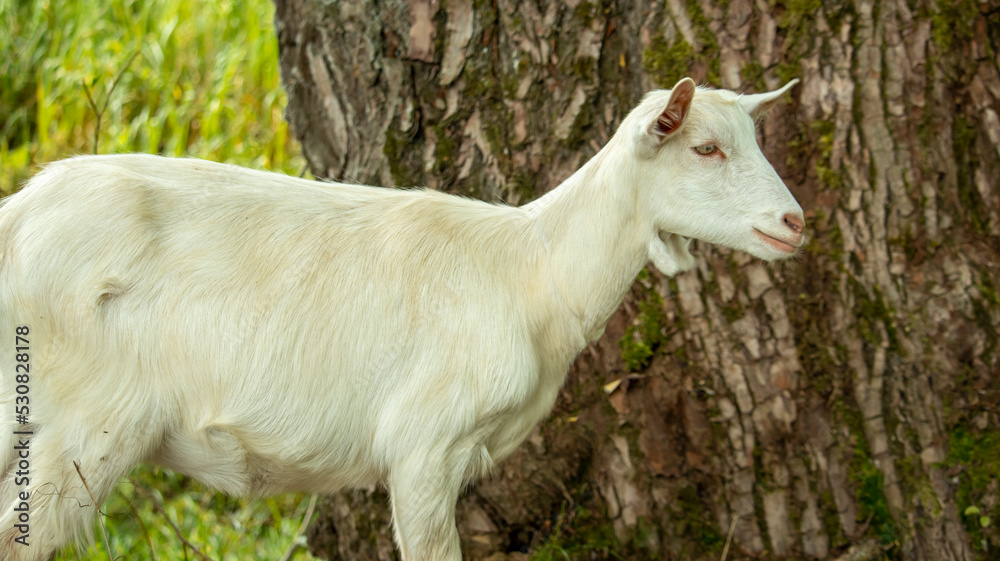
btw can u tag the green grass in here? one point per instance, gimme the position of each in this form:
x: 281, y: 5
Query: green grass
x: 194, y: 78
x: 204, y: 82
x: 975, y: 456
x: 221, y: 527
x: 577, y: 533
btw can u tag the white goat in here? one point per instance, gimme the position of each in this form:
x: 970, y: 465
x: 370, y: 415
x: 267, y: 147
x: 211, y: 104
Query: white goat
x: 265, y: 334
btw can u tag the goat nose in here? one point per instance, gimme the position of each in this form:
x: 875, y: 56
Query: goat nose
x: 794, y: 222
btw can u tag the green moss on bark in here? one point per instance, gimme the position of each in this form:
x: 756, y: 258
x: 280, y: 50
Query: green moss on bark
x: 645, y: 335
x: 952, y: 22
x: 667, y: 63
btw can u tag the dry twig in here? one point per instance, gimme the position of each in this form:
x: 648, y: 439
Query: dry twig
x: 302, y: 529
x: 99, y: 113
x: 729, y: 538
x: 100, y: 517
x: 145, y: 532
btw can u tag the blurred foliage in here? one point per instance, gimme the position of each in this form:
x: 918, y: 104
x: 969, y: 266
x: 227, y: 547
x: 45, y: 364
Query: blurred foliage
x: 194, y: 78
x: 222, y: 528
x: 203, y: 81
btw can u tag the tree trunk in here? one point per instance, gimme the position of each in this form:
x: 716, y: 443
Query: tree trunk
x: 841, y: 404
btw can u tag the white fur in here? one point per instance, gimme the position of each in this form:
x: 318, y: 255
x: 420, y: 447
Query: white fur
x: 266, y: 334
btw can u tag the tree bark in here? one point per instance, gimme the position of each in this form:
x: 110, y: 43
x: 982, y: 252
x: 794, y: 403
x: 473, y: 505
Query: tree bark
x: 841, y: 404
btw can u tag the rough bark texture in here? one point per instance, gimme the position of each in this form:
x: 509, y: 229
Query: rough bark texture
x: 842, y: 405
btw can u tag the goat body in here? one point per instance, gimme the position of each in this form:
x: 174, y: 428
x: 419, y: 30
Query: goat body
x: 266, y: 334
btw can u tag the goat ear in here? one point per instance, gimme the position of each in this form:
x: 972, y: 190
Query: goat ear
x: 673, y: 115
x: 758, y: 104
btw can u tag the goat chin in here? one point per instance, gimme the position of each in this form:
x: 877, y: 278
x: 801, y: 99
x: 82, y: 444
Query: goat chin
x: 669, y: 253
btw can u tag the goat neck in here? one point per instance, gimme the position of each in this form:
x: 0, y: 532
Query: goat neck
x: 594, y: 243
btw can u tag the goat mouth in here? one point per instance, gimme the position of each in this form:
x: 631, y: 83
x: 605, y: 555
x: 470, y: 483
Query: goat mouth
x: 779, y: 244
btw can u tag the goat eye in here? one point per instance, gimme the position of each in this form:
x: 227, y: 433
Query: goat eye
x: 707, y: 149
